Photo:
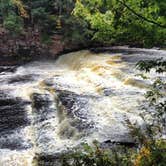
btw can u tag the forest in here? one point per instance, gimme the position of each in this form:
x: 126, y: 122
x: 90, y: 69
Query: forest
x: 82, y: 82
x: 139, y: 23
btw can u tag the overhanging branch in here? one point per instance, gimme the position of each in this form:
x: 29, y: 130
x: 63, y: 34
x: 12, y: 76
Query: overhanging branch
x: 140, y: 16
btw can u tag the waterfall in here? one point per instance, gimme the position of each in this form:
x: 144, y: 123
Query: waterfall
x: 49, y: 107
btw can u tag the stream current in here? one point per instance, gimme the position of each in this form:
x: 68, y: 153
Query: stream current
x: 47, y: 107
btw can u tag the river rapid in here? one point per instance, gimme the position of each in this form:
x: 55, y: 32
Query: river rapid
x: 48, y: 107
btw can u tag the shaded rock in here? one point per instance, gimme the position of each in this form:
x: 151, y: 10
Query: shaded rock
x: 55, y: 84
x: 125, y: 50
x: 41, y: 104
x: 7, y: 69
x: 14, y: 142
x: 48, y: 160
x: 13, y: 113
x: 107, y: 91
x: 76, y: 108
x: 109, y: 144
x: 21, y: 78
x: 13, y: 119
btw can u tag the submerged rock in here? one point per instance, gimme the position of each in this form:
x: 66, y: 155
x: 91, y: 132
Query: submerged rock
x: 21, y: 79
x: 12, y: 112
x: 13, y: 120
x: 7, y: 69
x: 15, y: 141
x: 76, y: 109
x: 41, y: 105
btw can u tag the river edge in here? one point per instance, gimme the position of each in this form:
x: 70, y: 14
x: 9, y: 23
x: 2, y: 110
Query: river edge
x: 6, y: 60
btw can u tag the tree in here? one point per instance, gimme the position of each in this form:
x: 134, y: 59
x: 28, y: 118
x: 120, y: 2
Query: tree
x: 124, y: 21
x: 14, y: 24
x: 12, y: 13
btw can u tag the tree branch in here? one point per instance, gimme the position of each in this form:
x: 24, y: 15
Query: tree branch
x: 140, y: 16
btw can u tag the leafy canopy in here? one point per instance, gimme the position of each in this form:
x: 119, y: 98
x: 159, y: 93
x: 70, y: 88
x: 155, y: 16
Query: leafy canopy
x: 124, y: 21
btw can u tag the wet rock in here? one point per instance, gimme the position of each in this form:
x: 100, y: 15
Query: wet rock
x: 125, y: 50
x: 76, y: 108
x: 13, y: 113
x: 110, y: 144
x: 8, y: 100
x: 7, y: 69
x: 45, y: 120
x: 40, y: 101
x: 14, y: 141
x: 54, y: 83
x: 42, y: 107
x: 48, y: 160
x: 21, y: 79
x: 13, y: 119
x: 107, y: 91
x: 49, y: 82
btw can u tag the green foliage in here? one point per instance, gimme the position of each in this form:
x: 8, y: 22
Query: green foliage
x: 10, y: 18
x: 116, y: 21
x: 6, y: 7
x: 14, y: 24
x: 159, y: 65
x: 96, y: 156
x: 139, y: 23
x: 150, y: 153
x: 42, y: 16
x: 44, y: 21
x: 76, y: 31
x: 153, y: 147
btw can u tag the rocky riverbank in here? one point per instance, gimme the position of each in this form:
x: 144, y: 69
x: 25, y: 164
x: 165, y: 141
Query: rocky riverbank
x: 30, y: 46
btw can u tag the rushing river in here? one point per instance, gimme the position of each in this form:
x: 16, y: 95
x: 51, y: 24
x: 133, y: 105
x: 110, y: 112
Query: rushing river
x: 50, y: 106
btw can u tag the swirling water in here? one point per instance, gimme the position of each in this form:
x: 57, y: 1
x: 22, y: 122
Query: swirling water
x: 47, y: 107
